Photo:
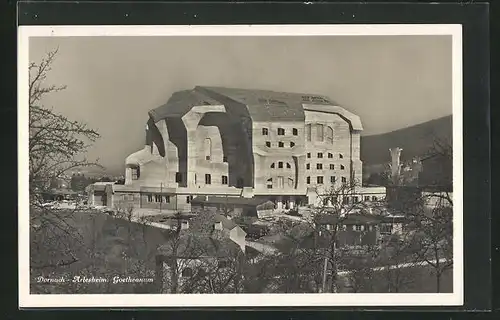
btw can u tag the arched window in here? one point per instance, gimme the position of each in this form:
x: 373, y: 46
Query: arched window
x: 329, y: 135
x: 207, y: 147
x: 280, y: 164
x: 292, y: 144
x: 272, y: 165
x: 308, y: 132
x: 320, y: 134
x: 288, y: 166
x: 341, y: 156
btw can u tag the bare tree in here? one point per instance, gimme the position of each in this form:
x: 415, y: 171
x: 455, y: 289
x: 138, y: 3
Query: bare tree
x: 56, y: 145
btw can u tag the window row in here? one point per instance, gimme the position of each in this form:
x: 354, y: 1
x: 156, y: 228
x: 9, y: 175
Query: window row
x: 320, y: 133
x: 280, y: 165
x: 281, y: 131
x: 280, y: 182
x: 280, y: 144
x: 158, y: 198
x: 320, y: 155
x: 208, y: 178
x: 319, y: 166
x: 320, y: 179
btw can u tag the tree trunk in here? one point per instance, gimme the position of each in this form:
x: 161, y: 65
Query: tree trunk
x: 438, y: 281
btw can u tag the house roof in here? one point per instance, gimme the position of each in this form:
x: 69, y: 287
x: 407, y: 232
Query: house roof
x: 198, y: 246
x: 226, y: 223
x: 349, y: 219
x: 259, y: 105
x: 229, y: 200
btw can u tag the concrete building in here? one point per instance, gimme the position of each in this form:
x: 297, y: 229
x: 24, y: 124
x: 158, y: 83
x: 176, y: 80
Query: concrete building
x: 285, y: 147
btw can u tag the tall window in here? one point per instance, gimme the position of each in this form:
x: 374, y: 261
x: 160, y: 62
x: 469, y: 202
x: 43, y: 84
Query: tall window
x: 308, y: 132
x: 281, y: 182
x: 308, y: 180
x: 308, y: 166
x: 265, y: 132
x: 319, y: 166
x: 341, y: 156
x: 332, y: 179
x: 295, y: 131
x: 290, y: 182
x: 158, y: 198
x: 320, y: 132
x: 342, y: 167
x: 150, y: 198
x: 178, y: 177
x: 224, y: 179
x: 332, y: 167
x: 319, y: 179
x: 207, y: 145
x: 281, y: 132
x: 344, y: 179
x: 135, y: 172
x: 167, y: 199
x: 208, y: 178
x: 280, y: 165
x: 268, y: 144
x: 308, y: 155
x: 320, y: 155
x: 329, y: 135
x: 281, y: 144
x: 330, y: 155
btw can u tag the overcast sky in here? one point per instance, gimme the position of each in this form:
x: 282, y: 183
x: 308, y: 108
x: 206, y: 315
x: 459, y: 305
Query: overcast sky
x: 391, y: 82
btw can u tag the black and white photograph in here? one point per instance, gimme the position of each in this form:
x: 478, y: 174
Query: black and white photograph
x: 312, y: 165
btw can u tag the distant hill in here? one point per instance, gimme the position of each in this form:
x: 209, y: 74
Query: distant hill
x: 415, y: 141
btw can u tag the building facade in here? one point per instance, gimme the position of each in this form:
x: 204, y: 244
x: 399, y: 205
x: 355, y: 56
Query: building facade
x: 238, y: 142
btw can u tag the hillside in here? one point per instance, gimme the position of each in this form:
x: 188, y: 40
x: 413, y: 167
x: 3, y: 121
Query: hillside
x: 415, y: 141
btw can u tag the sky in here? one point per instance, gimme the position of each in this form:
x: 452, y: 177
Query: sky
x: 391, y: 82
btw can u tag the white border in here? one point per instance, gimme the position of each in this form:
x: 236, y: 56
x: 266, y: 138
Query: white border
x: 27, y: 300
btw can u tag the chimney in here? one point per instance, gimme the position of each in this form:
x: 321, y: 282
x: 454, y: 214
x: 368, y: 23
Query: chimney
x: 395, y: 164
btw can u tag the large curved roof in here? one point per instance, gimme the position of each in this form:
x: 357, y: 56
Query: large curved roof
x: 261, y: 105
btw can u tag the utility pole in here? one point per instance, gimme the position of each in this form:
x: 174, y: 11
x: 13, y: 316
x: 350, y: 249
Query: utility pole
x: 161, y: 194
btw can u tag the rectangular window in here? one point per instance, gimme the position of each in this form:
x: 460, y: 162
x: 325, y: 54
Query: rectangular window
x: 308, y: 166
x: 319, y: 166
x: 367, y: 198
x: 135, y: 173
x: 208, y: 179
x: 268, y: 144
x: 320, y: 155
x: 224, y: 159
x: 188, y: 199
x: 281, y: 144
x: 308, y: 180
x: 150, y: 198
x: 308, y: 132
x: 332, y: 179
x: 158, y: 198
x: 332, y: 167
x: 308, y: 155
x: 281, y: 132
x: 290, y: 182
x: 281, y: 182
x: 207, y: 157
x: 295, y: 131
x: 342, y: 167
x: 224, y: 179
x: 374, y: 198
x: 320, y: 180
x: 330, y: 155
x: 358, y: 227
x: 167, y: 199
x: 280, y: 165
x: 265, y: 132
x: 344, y: 179
x: 178, y: 177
